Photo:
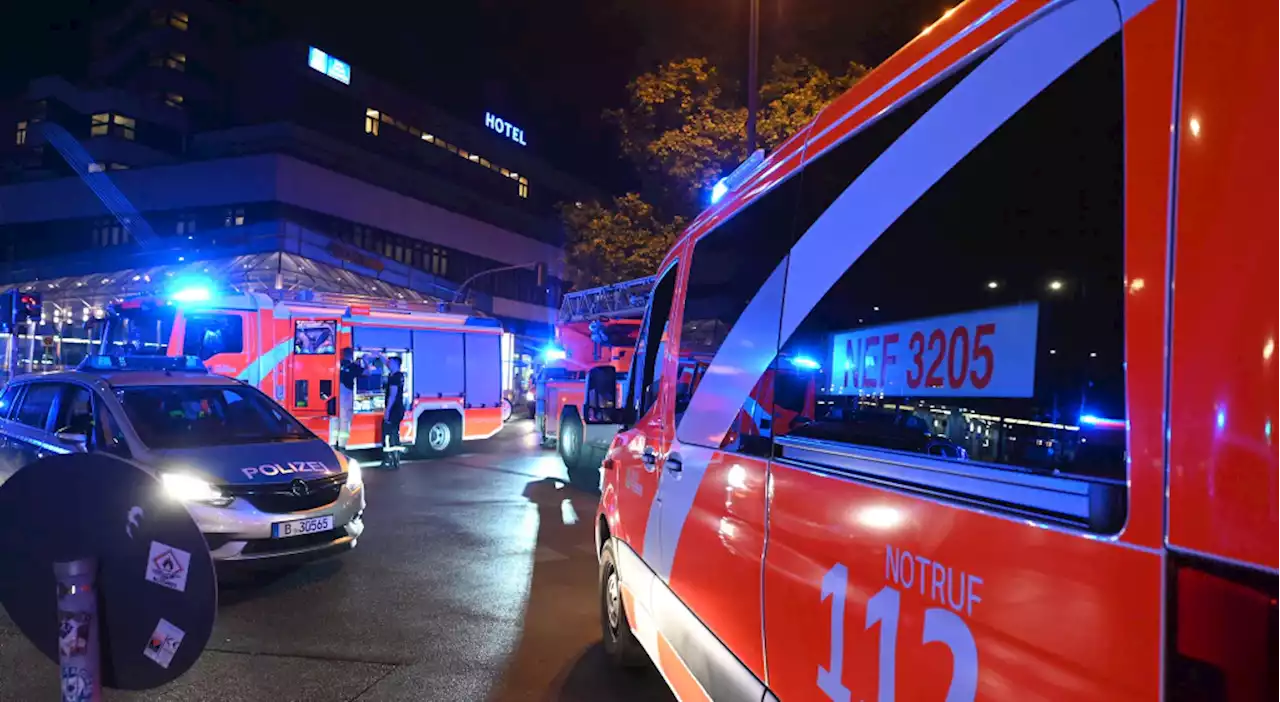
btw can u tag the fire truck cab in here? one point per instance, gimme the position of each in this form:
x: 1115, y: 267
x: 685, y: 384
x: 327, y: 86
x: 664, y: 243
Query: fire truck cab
x: 291, y: 349
x: 1033, y: 467
x: 596, y: 326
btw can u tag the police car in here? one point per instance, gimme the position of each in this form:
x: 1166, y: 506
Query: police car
x: 260, y: 486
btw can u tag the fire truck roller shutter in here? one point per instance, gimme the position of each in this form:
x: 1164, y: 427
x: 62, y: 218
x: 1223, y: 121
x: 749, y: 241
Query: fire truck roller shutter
x: 438, y: 364
x: 380, y: 338
x: 483, y: 370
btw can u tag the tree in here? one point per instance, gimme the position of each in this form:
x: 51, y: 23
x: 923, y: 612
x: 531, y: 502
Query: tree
x: 683, y: 129
x: 617, y: 241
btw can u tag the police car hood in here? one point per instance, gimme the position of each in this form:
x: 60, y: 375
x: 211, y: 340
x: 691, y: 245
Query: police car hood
x: 254, y: 464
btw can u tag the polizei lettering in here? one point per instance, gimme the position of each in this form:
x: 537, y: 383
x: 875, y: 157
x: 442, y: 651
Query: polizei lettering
x: 271, y: 470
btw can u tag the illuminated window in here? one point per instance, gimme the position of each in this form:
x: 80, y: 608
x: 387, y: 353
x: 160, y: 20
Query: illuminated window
x: 233, y: 218
x: 485, y: 162
x: 463, y: 153
x: 523, y: 188
x: 124, y: 126
x: 387, y: 118
x: 452, y: 149
x: 173, y: 59
x: 100, y: 124
x: 96, y: 168
x: 415, y: 131
x: 371, y: 121
x: 173, y: 18
x: 400, y: 125
x: 173, y: 99
x: 504, y: 172
x: 22, y: 133
x: 117, y: 167
x: 428, y: 137
x: 475, y: 158
x: 439, y: 262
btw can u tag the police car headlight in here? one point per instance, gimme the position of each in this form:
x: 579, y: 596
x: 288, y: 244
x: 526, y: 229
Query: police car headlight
x: 354, y: 477
x: 188, y: 488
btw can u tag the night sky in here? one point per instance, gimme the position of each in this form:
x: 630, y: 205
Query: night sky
x: 551, y: 67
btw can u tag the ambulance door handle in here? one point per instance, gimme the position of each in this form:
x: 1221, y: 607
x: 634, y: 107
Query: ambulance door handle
x: 649, y: 457
x: 674, y: 464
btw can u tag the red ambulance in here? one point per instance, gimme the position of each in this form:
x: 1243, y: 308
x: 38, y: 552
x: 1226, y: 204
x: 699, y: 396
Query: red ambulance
x: 1035, y: 468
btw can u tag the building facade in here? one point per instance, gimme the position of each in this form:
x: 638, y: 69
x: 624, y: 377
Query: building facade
x: 214, y: 144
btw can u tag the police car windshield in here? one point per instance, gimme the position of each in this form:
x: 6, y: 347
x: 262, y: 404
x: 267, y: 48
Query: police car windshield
x: 196, y: 416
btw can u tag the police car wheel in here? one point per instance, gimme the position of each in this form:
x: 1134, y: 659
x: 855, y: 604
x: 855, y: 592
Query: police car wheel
x: 619, y: 642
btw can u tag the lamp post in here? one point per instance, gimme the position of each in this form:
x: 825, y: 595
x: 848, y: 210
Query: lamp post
x: 753, y: 86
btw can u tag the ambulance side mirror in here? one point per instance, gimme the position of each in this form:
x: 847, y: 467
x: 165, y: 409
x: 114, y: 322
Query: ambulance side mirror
x: 601, y: 398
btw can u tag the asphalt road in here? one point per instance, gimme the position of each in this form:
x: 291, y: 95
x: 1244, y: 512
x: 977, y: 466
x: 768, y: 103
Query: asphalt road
x: 474, y: 580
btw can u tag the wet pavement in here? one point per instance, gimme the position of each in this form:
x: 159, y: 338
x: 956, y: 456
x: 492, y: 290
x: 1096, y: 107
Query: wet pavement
x: 475, y: 579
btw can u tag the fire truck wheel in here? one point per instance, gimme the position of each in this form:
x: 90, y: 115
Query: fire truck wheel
x: 439, y: 434
x: 570, y: 440
x: 619, y: 642
x: 507, y: 410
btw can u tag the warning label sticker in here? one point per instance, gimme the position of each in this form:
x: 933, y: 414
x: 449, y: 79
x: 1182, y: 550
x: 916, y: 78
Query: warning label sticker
x: 164, y: 643
x: 168, y: 566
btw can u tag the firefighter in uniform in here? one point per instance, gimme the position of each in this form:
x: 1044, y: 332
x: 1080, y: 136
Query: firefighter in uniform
x: 393, y: 414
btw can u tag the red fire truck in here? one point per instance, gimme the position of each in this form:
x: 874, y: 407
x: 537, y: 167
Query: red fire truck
x: 290, y: 348
x: 595, y: 326
x: 1036, y: 468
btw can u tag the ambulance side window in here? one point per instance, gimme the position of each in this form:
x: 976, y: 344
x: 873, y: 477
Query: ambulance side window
x: 984, y: 326
x: 739, y: 261
x: 643, y: 384
x: 208, y: 335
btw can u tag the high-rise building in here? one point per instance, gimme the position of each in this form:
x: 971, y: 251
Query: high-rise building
x: 194, y: 145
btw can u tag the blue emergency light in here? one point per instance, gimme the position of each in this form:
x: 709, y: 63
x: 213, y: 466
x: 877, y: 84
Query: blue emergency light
x: 554, y: 353
x: 191, y: 290
x: 805, y: 363
x: 179, y: 364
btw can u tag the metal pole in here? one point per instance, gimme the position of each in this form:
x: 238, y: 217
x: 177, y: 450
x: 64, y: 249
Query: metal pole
x: 31, y: 347
x: 753, y: 83
x: 78, y: 626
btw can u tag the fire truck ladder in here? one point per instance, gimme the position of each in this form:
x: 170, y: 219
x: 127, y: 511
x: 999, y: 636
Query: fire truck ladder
x: 618, y: 301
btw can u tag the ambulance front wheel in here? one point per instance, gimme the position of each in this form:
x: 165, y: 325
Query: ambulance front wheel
x: 439, y: 434
x: 619, y: 642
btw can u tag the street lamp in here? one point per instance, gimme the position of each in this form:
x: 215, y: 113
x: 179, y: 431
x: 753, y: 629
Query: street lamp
x: 753, y: 88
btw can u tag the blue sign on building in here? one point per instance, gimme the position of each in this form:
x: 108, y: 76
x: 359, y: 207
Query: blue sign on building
x: 504, y: 128
x: 330, y: 66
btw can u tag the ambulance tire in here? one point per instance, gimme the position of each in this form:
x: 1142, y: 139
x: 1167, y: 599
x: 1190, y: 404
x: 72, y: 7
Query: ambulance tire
x: 439, y: 434
x: 619, y: 643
